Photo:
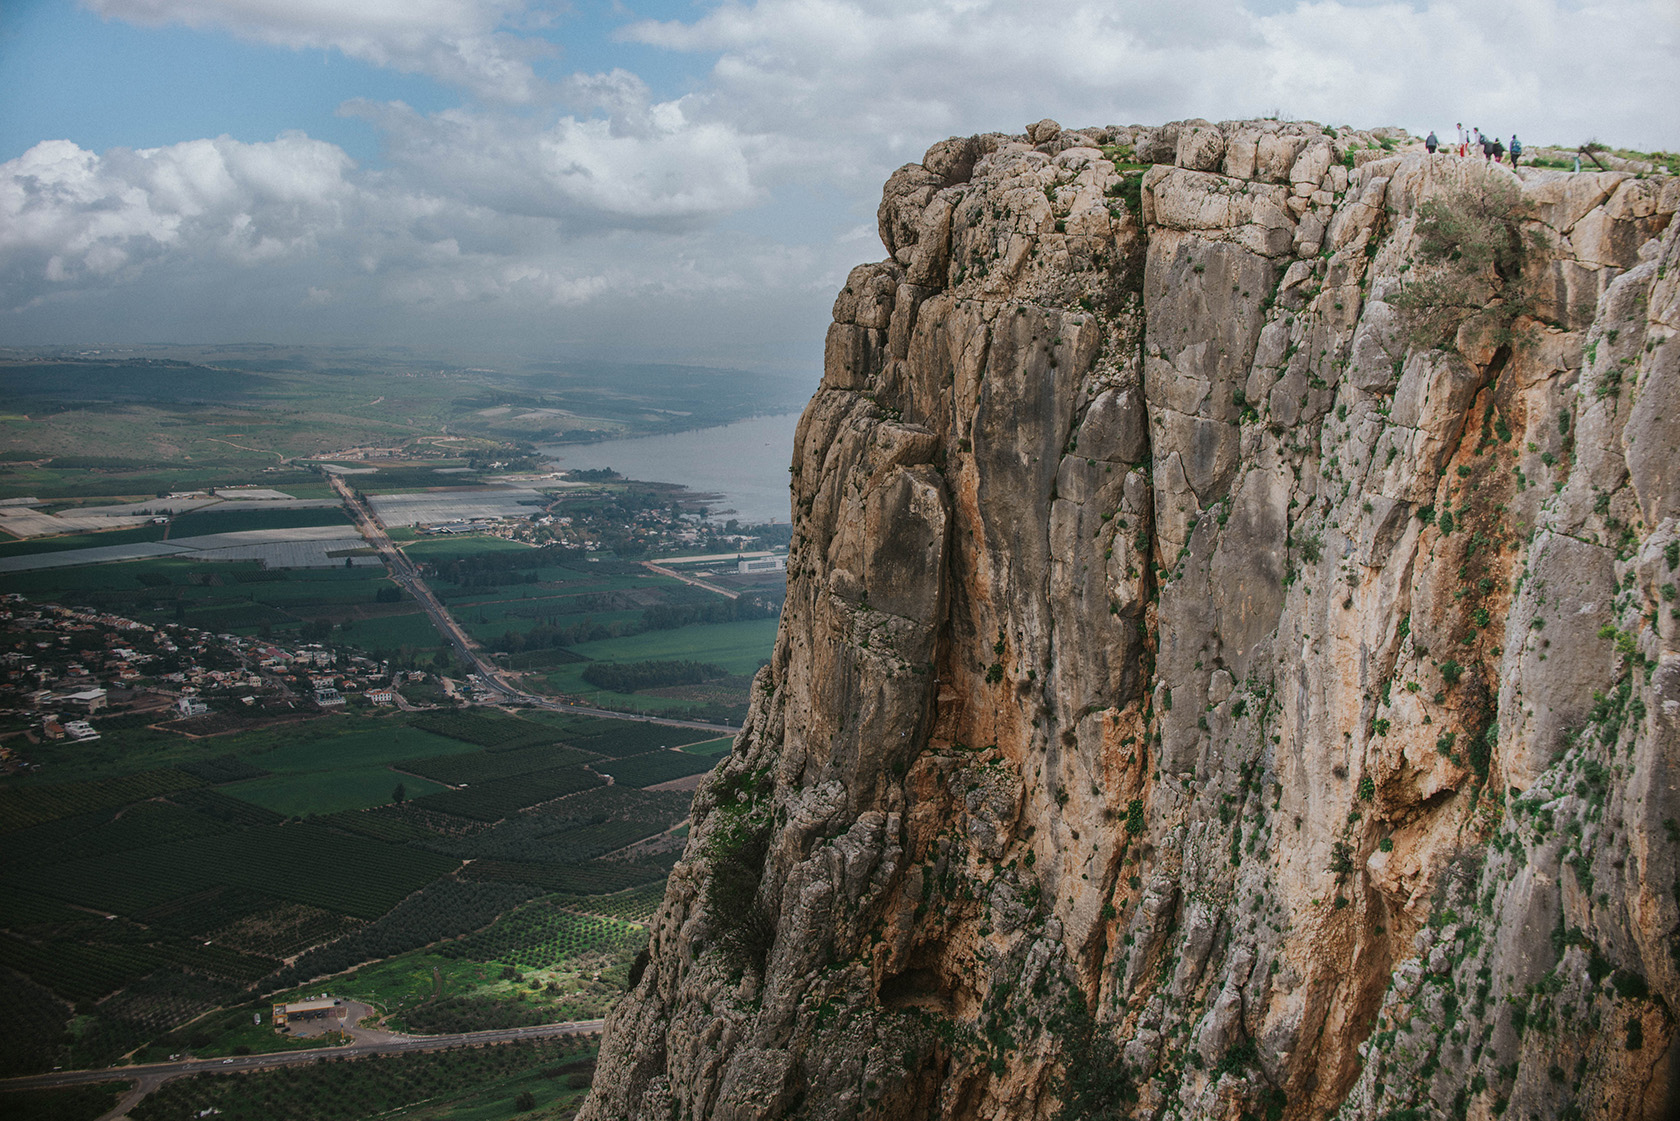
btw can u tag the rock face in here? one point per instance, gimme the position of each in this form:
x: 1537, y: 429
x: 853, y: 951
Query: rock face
x: 1231, y: 661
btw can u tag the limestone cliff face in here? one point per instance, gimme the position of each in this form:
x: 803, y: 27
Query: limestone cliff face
x: 1231, y: 662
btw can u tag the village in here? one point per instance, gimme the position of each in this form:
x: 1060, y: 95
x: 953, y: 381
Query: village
x: 65, y: 671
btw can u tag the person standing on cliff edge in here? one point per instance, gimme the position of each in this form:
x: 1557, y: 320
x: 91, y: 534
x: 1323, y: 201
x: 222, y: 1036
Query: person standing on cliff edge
x: 1516, y: 149
x: 1461, y: 138
x: 1430, y: 143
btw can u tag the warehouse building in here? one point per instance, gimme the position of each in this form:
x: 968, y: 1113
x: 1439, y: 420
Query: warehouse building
x: 308, y: 1011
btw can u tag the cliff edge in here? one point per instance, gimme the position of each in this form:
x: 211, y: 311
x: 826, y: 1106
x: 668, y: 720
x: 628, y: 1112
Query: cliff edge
x: 1231, y: 660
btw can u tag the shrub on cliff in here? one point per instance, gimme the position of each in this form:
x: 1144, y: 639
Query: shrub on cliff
x: 740, y: 838
x: 1473, y: 247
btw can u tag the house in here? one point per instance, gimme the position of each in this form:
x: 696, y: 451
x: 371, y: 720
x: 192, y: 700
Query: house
x: 190, y: 705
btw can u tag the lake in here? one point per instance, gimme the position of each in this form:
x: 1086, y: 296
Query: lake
x: 745, y: 462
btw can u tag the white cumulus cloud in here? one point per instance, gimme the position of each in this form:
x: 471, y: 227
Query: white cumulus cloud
x: 474, y: 44
x: 877, y: 76
x: 68, y: 215
x: 639, y: 163
x: 720, y: 219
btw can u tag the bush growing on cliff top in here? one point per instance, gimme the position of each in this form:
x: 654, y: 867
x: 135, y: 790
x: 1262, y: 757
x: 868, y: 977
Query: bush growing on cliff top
x: 1472, y: 234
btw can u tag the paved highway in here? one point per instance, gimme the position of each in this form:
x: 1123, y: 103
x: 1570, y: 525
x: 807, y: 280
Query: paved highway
x: 489, y: 674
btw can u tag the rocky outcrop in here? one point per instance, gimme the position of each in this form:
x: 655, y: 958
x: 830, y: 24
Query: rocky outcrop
x: 1231, y: 661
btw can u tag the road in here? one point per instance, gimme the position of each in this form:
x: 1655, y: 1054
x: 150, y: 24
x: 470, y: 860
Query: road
x: 407, y: 574
x: 655, y: 566
x: 152, y: 1075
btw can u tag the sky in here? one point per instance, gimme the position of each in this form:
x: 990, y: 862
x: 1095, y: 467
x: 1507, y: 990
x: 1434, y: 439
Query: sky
x: 654, y: 180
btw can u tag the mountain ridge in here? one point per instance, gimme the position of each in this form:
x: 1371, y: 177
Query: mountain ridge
x: 1230, y: 665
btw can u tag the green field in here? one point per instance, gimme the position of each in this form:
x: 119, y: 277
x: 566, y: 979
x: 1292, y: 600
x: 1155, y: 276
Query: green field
x: 302, y: 863
x: 239, y: 597
x: 714, y: 749
x: 35, y: 545
x: 324, y: 792
x: 635, y: 905
x: 72, y: 1103
x: 655, y: 767
x: 211, y: 879
x: 153, y: 876
x: 330, y: 745
x: 616, y: 738
x: 466, y: 1084
x: 739, y: 647
x: 485, y: 766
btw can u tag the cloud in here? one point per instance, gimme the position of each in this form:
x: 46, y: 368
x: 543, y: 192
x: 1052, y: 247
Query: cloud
x: 642, y: 164
x: 719, y: 222
x: 68, y: 216
x: 473, y: 44
x: 287, y: 239
x: 880, y: 76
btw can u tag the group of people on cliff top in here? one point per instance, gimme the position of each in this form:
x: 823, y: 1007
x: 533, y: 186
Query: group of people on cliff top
x: 1472, y: 140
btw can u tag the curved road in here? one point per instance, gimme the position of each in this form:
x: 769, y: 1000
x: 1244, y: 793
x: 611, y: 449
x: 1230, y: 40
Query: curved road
x: 405, y: 573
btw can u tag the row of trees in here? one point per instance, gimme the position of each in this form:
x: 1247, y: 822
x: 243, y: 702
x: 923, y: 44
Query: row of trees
x: 628, y: 677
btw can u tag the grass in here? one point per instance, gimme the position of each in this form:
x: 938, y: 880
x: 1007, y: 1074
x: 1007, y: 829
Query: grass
x: 325, y: 792
x: 738, y: 647
x: 615, y: 738
x: 654, y: 767
x: 228, y: 1031
x: 382, y: 741
x: 711, y: 748
x: 301, y: 863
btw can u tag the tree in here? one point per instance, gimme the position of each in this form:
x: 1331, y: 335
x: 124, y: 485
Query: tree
x: 1473, y: 246
x: 400, y: 794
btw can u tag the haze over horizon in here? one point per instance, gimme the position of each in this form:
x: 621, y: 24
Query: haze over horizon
x: 651, y: 181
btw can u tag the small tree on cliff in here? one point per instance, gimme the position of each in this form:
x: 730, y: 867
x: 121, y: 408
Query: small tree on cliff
x: 1473, y: 246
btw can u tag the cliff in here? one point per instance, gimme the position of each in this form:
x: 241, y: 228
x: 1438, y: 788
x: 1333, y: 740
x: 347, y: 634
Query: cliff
x: 1231, y: 661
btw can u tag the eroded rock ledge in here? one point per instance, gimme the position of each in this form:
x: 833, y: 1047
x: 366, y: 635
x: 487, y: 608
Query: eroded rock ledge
x: 1231, y: 662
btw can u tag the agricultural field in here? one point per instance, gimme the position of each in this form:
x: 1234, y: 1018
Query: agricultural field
x: 457, y: 867
x: 538, y: 1079
x: 635, y: 905
x: 738, y: 647
x: 142, y: 899
x: 655, y: 767
x: 712, y: 749
x: 72, y: 1103
x: 239, y: 597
